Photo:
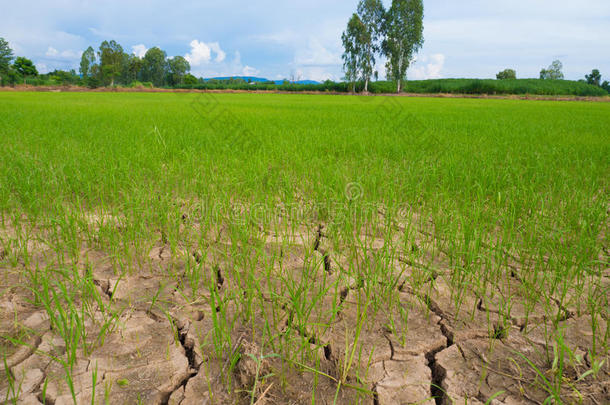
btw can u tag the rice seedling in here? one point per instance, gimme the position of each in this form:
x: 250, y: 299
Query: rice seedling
x: 372, y: 244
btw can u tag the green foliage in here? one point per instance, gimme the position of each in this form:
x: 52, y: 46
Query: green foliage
x: 60, y: 77
x: 508, y: 86
x: 190, y: 80
x: 154, y: 66
x: 606, y: 86
x: 25, y: 67
x: 11, y: 77
x: 594, y: 78
x: 86, y: 61
x: 111, y: 61
x: 397, y: 34
x: 353, y: 40
x: 449, y: 86
x: 6, y: 56
x: 371, y: 14
x: 553, y: 72
x: 178, y: 68
x: 93, y: 82
x: 139, y: 85
x: 507, y: 74
x: 404, y: 37
x: 132, y: 67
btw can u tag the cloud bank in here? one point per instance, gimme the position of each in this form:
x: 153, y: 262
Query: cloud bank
x: 476, y: 38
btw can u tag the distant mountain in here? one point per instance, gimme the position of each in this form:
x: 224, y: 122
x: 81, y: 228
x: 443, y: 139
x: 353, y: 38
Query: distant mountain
x: 306, y: 82
x: 253, y: 79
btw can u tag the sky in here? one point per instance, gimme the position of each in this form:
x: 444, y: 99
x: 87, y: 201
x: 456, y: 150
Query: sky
x: 302, y: 39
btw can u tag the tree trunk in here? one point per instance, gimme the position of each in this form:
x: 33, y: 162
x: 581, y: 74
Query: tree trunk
x: 398, y: 86
x: 366, y: 85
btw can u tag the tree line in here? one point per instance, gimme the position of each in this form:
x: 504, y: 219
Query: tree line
x: 555, y: 72
x: 109, y: 66
x: 373, y: 31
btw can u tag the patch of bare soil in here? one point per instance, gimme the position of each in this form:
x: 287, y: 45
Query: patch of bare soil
x: 405, y: 338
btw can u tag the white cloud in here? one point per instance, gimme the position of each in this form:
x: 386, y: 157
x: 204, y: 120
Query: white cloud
x: 67, y: 54
x: 139, y: 50
x: 201, y: 53
x: 221, y: 66
x: 316, y: 55
x: 220, y: 54
x: 249, y: 71
x: 431, y: 70
x: 51, y: 52
x: 317, y: 73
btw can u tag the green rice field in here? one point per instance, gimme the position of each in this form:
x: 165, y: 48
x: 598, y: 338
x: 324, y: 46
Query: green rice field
x: 189, y: 248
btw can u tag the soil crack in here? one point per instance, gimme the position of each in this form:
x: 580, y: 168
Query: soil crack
x: 438, y: 377
x: 392, y: 352
x: 22, y: 354
x: 323, y: 252
x: 104, y: 286
x: 188, y: 344
x: 438, y: 372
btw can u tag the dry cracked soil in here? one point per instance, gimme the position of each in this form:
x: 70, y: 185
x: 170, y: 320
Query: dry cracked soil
x: 163, y: 343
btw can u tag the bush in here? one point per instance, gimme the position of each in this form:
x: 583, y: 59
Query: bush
x: 190, y: 80
x: 140, y: 85
x: 507, y: 86
x: 92, y: 82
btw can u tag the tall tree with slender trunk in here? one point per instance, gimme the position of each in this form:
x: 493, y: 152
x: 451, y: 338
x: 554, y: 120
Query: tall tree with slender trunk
x: 86, y: 61
x: 553, y: 72
x: 404, y: 30
x: 595, y: 78
x: 6, y: 56
x: 178, y: 68
x: 154, y: 66
x: 371, y: 13
x: 111, y: 61
x: 353, y: 37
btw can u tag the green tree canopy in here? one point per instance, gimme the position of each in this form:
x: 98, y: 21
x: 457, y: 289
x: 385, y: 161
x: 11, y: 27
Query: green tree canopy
x: 353, y: 39
x: 178, y: 67
x: 190, y: 80
x: 6, y: 56
x: 553, y: 72
x: 404, y: 37
x: 507, y: 74
x: 595, y: 78
x: 111, y: 61
x: 25, y: 67
x: 154, y: 66
x: 132, y: 67
x: 86, y: 61
x: 371, y: 14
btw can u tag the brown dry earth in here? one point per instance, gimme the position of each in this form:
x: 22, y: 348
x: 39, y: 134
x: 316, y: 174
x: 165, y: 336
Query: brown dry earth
x: 420, y: 345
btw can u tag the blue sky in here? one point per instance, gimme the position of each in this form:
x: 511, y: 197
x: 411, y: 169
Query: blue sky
x: 275, y: 39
